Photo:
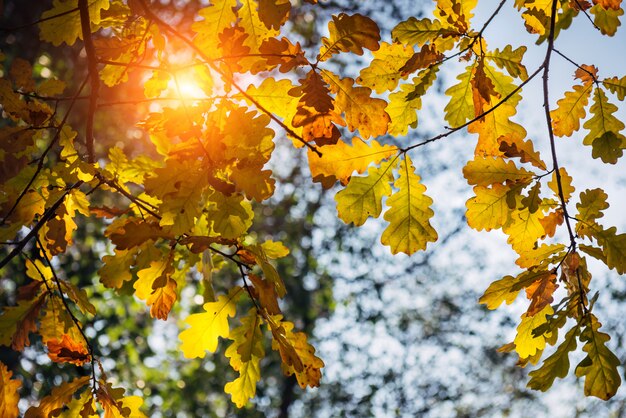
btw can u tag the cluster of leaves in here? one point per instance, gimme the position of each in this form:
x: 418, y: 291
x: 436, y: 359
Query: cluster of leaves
x: 187, y: 207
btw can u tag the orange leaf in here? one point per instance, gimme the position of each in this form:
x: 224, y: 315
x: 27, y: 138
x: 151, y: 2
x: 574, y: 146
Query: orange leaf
x: 8, y: 393
x: 68, y: 351
x: 586, y: 73
x: 540, y: 293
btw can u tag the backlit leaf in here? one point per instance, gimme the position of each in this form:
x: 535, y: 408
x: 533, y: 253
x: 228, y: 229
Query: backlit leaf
x: 350, y: 34
x: 409, y: 213
x: 9, y: 396
x: 599, y: 367
x: 207, y: 327
x: 362, y: 197
x: 557, y: 365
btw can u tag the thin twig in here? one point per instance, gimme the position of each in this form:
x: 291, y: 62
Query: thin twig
x: 71, y: 314
x: 40, y: 160
x: 477, y: 118
x: 92, y: 65
x: 210, y: 62
x: 48, y: 214
x: 36, y: 22
x: 555, y: 162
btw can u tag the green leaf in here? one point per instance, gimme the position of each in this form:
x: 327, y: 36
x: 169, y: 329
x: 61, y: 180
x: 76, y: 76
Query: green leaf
x: 460, y: 109
x: 511, y: 60
x: 362, y: 197
x: 599, y: 368
x: 416, y: 32
x: 409, y: 213
x: 557, y: 365
x: 616, y: 86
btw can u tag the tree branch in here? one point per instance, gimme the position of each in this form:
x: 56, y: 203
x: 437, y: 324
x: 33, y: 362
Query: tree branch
x: 92, y: 65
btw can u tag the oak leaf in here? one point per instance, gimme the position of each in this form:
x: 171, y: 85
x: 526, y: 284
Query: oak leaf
x: 361, y: 111
x: 557, y: 365
x: 207, y: 327
x: 527, y: 344
x: 60, y: 396
x: 9, y: 396
x: 67, y: 350
x: 349, y: 34
x: 409, y: 213
x: 341, y: 160
x: 362, y: 197
x: 599, y: 367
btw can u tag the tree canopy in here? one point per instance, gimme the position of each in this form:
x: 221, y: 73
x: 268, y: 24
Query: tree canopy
x: 155, y: 153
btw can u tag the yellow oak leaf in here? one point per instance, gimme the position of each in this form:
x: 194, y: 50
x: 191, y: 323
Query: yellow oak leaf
x: 116, y: 268
x: 566, y: 184
x: 502, y: 290
x: 349, y: 33
x: 539, y: 256
x: 570, y: 110
x: 155, y: 285
x: 403, y: 110
x: 485, y: 171
x: 275, y: 98
x: 461, y: 106
x: 592, y: 203
x: 253, y: 181
x: 488, y: 209
x: 243, y: 388
x: 297, y: 354
x: 526, y: 344
x: 557, y: 365
x: 360, y: 110
x: 524, y: 230
x: 219, y: 15
x: 383, y: 73
x: 155, y: 85
x: 83, y: 406
x: 409, y: 213
x: 207, y: 327
x: 245, y: 353
x: 362, y: 197
x: 341, y: 160
x: 9, y: 396
x: 61, y: 395
x: 66, y: 27
x: 455, y: 13
x: 493, y: 126
x: 257, y: 31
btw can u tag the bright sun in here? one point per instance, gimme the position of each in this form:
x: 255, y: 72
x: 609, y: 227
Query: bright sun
x: 188, y: 88
x: 190, y: 84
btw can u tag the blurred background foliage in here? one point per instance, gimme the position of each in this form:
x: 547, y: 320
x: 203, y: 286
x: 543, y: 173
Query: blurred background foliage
x: 400, y: 336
